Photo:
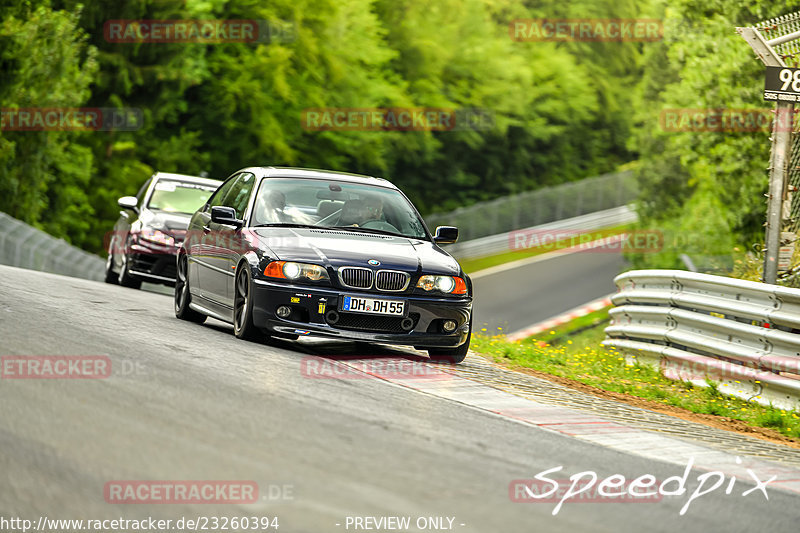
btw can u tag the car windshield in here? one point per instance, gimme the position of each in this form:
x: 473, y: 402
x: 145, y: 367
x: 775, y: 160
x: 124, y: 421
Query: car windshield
x: 179, y: 196
x: 336, y: 204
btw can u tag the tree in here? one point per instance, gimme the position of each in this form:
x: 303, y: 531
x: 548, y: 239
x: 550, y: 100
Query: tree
x: 703, y: 64
x: 45, y: 62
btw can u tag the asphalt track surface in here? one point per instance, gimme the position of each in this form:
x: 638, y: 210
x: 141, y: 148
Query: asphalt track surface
x: 202, y: 405
x: 516, y: 298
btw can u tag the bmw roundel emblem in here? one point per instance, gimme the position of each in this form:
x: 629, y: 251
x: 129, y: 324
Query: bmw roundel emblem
x: 374, y: 262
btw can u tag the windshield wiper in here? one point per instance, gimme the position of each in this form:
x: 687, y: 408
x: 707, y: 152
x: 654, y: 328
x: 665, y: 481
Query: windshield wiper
x: 284, y: 225
x: 347, y: 228
x: 370, y: 230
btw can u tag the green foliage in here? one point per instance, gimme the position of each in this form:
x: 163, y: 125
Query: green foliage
x: 704, y: 188
x: 561, y: 110
x: 45, y: 62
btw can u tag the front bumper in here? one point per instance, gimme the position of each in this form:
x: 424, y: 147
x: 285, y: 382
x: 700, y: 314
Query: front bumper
x: 310, y: 304
x: 153, y: 263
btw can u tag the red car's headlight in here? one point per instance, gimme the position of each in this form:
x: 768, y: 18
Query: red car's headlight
x: 157, y: 237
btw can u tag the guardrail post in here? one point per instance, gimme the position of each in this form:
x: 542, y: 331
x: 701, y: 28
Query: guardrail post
x: 781, y: 139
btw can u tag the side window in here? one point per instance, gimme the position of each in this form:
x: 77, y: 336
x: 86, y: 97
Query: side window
x: 239, y: 193
x: 218, y: 197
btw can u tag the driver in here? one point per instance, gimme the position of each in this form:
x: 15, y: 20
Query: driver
x: 371, y: 209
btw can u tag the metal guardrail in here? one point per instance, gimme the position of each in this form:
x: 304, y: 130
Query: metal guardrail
x: 24, y: 246
x: 541, y: 206
x: 495, y: 244
x: 742, y: 335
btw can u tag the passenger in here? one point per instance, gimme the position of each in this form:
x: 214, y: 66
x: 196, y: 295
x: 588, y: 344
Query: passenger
x: 271, y: 208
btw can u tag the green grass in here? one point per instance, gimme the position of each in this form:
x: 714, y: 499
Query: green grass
x: 564, y: 332
x: 579, y: 356
x: 480, y: 263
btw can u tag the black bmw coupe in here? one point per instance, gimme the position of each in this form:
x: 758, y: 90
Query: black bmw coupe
x: 286, y: 252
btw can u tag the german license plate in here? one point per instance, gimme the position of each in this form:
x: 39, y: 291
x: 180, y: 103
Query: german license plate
x: 373, y: 306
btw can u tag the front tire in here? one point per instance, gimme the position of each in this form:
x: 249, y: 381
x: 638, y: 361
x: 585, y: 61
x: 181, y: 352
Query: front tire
x: 111, y: 276
x: 182, y: 295
x: 451, y: 355
x: 126, y: 279
x: 243, y: 326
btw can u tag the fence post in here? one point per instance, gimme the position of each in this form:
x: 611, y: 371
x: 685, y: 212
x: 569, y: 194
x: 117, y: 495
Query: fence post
x: 781, y: 138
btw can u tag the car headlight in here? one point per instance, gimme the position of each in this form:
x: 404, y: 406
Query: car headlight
x: 157, y: 237
x: 445, y: 284
x: 293, y: 271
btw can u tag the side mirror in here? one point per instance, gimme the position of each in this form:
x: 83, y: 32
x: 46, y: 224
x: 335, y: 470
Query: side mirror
x: 445, y: 235
x: 128, y: 202
x: 221, y: 214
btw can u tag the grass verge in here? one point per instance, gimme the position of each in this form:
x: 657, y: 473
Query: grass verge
x: 573, y: 351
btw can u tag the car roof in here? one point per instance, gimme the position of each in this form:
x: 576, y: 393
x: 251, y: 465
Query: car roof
x: 312, y: 173
x: 186, y: 178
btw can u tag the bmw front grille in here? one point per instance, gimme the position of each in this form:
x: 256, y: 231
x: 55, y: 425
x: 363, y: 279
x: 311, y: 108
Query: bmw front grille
x: 384, y: 280
x: 356, y: 277
x: 392, y: 280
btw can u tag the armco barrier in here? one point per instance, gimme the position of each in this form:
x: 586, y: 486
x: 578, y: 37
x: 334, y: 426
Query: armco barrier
x: 743, y: 335
x: 540, y: 206
x: 495, y: 244
x: 27, y: 247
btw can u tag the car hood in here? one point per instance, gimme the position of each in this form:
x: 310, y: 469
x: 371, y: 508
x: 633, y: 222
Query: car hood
x: 337, y: 248
x: 162, y: 220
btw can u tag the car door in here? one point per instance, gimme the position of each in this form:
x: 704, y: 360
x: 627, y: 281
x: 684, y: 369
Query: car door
x: 203, y: 250
x: 224, y: 241
x: 235, y: 245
